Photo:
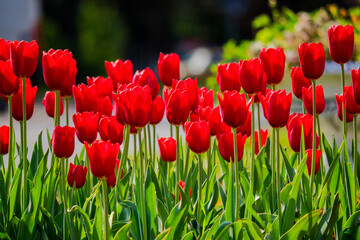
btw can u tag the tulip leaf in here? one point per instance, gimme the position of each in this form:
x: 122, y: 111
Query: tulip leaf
x: 97, y: 224
x: 151, y: 204
x: 188, y: 236
x: 85, y: 220
x: 209, y: 234
x: 3, y: 196
x: 213, y: 199
x: 14, y: 197
x: 222, y: 231
x: 351, y: 228
x: 123, y: 232
x: 230, y: 198
x: 135, y: 218
x: 289, y: 169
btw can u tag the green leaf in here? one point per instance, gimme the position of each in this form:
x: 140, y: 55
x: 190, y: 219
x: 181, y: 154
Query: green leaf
x: 210, y: 205
x: 3, y: 196
x: 188, y: 236
x: 123, y: 232
x: 222, y: 230
x: 85, y: 221
x: 164, y: 235
x: 289, y: 169
x: 351, y: 226
x: 14, y: 196
x: 135, y: 218
x: 52, y: 229
x: 151, y: 204
x: 230, y: 198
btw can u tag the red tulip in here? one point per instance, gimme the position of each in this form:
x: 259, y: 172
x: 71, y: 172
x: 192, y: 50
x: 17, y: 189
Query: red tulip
x: 262, y: 92
x: 194, y: 117
x: 339, y: 105
x: 198, y: 136
x: 182, y: 185
x: 212, y: 116
x: 350, y: 104
x: 104, y: 86
x: 62, y: 141
x: 245, y: 128
x: 341, y: 43
x: 77, y: 174
x: 111, y: 181
x: 226, y: 146
x: 119, y: 110
x: 167, y: 148
x: 17, y: 100
x: 276, y: 107
x: 309, y: 160
x: 147, y: 77
x: 4, y: 49
x: 206, y: 97
x: 192, y: 87
x: 105, y: 107
x: 111, y: 130
x: 234, y: 108
x: 228, y: 77
x: 24, y: 58
x: 274, y: 64
x: 251, y: 75
x: 69, y: 80
x: 223, y: 129
x: 157, y: 111
x: 49, y: 104
x: 86, y: 98
x: 120, y: 72
x: 86, y: 126
x: 102, y: 157
x: 308, y: 99
x: 168, y: 68
x: 355, y: 76
x: 264, y: 135
x: 299, y: 81
x: 4, y: 139
x: 9, y: 83
x: 177, y: 106
x: 312, y: 60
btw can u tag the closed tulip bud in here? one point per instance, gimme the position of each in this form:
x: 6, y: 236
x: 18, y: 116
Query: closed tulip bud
x: 264, y: 135
x: 111, y: 181
x: 212, y: 116
x: 226, y: 146
x: 182, y: 185
x: 157, y: 111
x: 85, y: 98
x: 339, y: 106
x: 206, y: 97
x: 299, y: 81
x: 245, y: 128
x: 105, y: 107
x: 350, y: 104
x: 168, y: 68
x: 198, y: 136
x: 307, y: 95
x: 49, y: 104
x: 355, y: 76
x: 4, y: 139
x: 167, y: 148
x: 86, y: 126
x: 102, y: 157
x: 147, y: 77
x: 17, y: 101
x: 63, y: 141
x: 341, y: 43
x: 309, y: 160
x: 228, y: 77
x: 111, y: 130
x: 77, y: 175
x: 251, y: 75
x: 4, y: 49
x: 104, y: 86
x: 192, y: 87
x: 24, y: 58
x: 312, y: 60
x: 120, y: 72
x: 274, y: 64
x: 177, y: 106
x: 234, y: 108
x: 9, y: 83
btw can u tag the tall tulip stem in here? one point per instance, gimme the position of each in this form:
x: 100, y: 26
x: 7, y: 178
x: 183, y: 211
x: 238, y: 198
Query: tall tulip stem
x: 236, y: 175
x: 278, y: 185
x: 67, y: 110
x: 199, y: 187
x: 105, y: 210
x: 209, y: 170
x: 252, y: 165
x: 153, y: 146
x: 355, y: 159
x: 149, y: 140
x: 273, y: 166
x: 142, y: 188
x: 177, y: 162
x: 343, y: 107
x: 312, y: 176
x: 259, y: 126
x: 57, y: 108
x: 24, y: 147
x: 145, y: 148
x: 11, y: 127
x: 322, y: 170
x: 65, y: 203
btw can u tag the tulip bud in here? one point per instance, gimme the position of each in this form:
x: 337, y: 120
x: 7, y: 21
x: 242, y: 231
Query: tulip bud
x: 341, y: 43
x: 312, y: 60
x: 24, y: 58
x: 198, y: 136
x: 76, y: 174
x: 86, y: 126
x: 167, y: 148
x: 168, y: 68
x: 120, y: 72
x: 274, y: 64
x: 62, y: 141
x: 307, y: 95
x: 49, y: 104
x: 4, y: 139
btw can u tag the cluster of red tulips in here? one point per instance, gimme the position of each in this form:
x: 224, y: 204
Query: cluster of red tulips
x: 125, y: 103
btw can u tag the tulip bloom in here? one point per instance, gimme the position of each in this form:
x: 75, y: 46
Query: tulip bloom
x: 62, y: 141
x: 104, y: 86
x: 251, y: 76
x: 212, y: 116
x: 9, y: 83
x: 24, y: 58
x: 17, y: 100
x: 104, y: 106
x: 102, y: 157
x: 86, y: 98
x: 192, y: 87
x: 226, y: 146
x: 4, y: 49
x: 350, y: 104
x: 245, y: 128
x: 339, y: 106
x: 86, y: 126
x: 120, y: 72
x: 198, y: 136
x: 299, y: 81
x: 119, y: 110
x: 276, y: 107
x: 157, y: 111
x: 206, y: 97
x: 228, y: 77
x: 234, y: 108
x: 111, y: 130
x: 355, y: 76
x: 274, y: 64
x: 49, y: 104
x: 309, y: 160
x: 262, y: 92
x: 167, y: 148
x: 147, y: 77
x: 168, y: 68
x: 111, y: 181
x: 264, y: 135
x: 308, y: 99
x: 77, y: 175
x: 341, y: 43
x: 182, y: 185
x: 312, y: 60
x: 4, y: 139
x: 177, y: 106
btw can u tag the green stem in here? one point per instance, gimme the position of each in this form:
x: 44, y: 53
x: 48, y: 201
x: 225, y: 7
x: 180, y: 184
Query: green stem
x: 187, y: 159
x: 154, y: 144
x: 171, y: 130
x: 343, y: 108
x: 236, y: 174
x: 199, y: 186
x: 123, y: 161
x: 105, y: 210
x: 312, y: 176
x: 252, y: 165
x: 145, y: 148
x: 25, y: 187
x: 303, y: 107
x: 88, y: 176
x: 57, y: 108
x: 322, y: 168
x: 65, y: 203
x: 355, y: 159
x: 21, y: 154
x: 135, y: 156
x: 273, y: 166
x: 142, y: 188
x: 209, y: 170
x: 11, y: 129
x: 278, y: 178
x: 259, y: 126
x: 67, y: 110
x: 177, y: 163
x: 149, y: 140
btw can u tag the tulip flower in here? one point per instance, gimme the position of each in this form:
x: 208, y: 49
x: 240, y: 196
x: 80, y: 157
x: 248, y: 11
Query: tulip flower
x: 62, y: 141
x: 308, y: 99
x: 86, y: 126
x: 168, y: 68
x: 177, y: 106
x: 104, y: 106
x: 274, y: 64
x: 194, y: 117
x: 226, y: 146
x: 251, y: 76
x: 167, y: 148
x: 206, y: 97
x: 9, y: 83
x: 17, y: 101
x: 228, y: 77
x: 4, y: 139
x: 350, y: 104
x: 341, y: 43
x: 49, y: 104
x: 262, y: 92
x: 120, y: 72
x: 355, y: 76
x: 309, y: 160
x: 198, y: 136
x: 339, y: 105
x: 224, y: 128
x: 312, y: 60
x: 102, y: 157
x: 299, y: 81
x: 70, y: 80
x: 86, y: 98
x: 157, y: 111
x: 24, y: 58
x: 212, y: 116
x: 111, y: 130
x: 111, y: 181
x: 234, y: 108
x: 77, y: 175
x: 182, y: 185
x: 245, y: 128
x: 192, y: 87
x: 104, y: 86
x: 119, y: 110
x: 147, y: 77
x: 4, y: 49
x: 264, y: 135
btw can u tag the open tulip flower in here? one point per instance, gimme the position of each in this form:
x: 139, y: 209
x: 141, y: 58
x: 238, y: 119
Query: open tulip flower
x: 147, y: 77
x: 24, y: 58
x: 341, y: 43
x: 168, y: 68
x: 77, y: 175
x: 274, y: 64
x: 104, y: 86
x: 120, y: 72
x: 228, y: 77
